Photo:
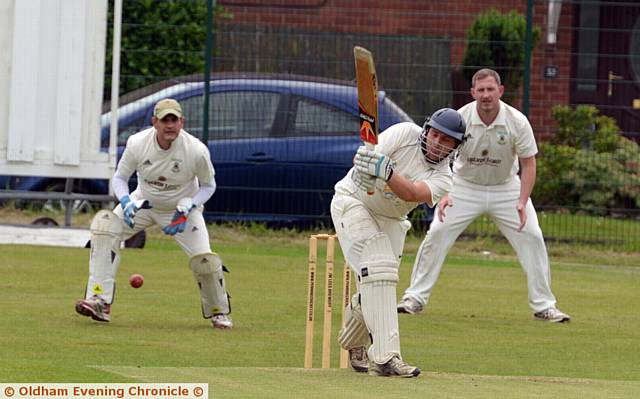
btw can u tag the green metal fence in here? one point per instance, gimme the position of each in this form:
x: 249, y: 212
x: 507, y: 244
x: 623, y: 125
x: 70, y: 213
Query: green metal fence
x: 583, y: 52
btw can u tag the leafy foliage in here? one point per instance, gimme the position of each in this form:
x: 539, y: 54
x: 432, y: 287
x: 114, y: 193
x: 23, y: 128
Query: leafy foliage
x: 588, y: 164
x: 160, y: 39
x: 497, y: 41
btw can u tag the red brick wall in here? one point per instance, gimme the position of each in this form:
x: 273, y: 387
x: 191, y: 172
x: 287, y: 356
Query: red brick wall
x: 545, y: 93
x: 422, y: 17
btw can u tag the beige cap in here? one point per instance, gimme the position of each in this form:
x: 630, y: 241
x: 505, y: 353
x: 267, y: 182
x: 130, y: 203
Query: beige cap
x: 168, y: 106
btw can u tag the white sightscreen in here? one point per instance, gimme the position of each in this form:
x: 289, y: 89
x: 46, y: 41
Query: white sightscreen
x: 52, y: 69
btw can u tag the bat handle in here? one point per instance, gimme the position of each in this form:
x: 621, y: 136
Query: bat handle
x: 371, y: 147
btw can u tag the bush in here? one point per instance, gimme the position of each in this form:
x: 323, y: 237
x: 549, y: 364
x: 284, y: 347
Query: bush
x: 497, y: 41
x: 588, y: 164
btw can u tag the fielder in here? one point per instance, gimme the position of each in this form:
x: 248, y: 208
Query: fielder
x: 409, y: 166
x: 486, y: 181
x: 175, y: 179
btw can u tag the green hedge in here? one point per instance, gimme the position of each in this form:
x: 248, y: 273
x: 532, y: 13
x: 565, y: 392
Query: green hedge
x: 588, y: 164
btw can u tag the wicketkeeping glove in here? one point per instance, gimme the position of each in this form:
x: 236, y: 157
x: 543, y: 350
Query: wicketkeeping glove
x: 363, y: 181
x: 131, y: 207
x: 373, y: 163
x: 179, y: 220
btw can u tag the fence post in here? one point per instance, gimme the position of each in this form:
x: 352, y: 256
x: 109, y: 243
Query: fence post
x: 527, y: 58
x: 208, y: 52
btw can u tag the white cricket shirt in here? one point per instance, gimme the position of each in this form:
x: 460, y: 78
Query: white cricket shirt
x: 490, y: 154
x: 166, y: 176
x: 401, y: 142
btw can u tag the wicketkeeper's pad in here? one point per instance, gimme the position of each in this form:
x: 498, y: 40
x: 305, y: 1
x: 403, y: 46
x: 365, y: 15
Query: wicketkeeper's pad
x: 106, y: 232
x: 208, y: 272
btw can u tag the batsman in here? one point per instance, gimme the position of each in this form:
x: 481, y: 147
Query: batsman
x: 408, y: 166
x: 175, y: 178
x: 393, y: 173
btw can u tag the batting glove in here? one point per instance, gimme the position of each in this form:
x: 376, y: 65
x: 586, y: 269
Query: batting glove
x: 363, y: 181
x: 373, y: 163
x: 179, y: 220
x: 131, y: 207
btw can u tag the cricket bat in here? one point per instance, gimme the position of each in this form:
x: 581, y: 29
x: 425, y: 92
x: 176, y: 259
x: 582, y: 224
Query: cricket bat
x: 367, y: 96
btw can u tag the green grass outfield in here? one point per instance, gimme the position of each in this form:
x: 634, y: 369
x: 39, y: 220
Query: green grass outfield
x: 477, y: 338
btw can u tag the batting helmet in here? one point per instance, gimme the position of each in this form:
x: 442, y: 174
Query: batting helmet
x: 448, y: 121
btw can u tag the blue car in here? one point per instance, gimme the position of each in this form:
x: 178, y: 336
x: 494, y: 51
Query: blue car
x: 278, y: 143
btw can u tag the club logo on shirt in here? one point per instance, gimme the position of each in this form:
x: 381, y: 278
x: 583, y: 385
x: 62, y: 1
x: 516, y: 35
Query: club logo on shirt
x: 502, y: 137
x: 484, y: 160
x: 176, y: 165
x: 161, y: 184
x: 146, y: 163
x: 485, y: 153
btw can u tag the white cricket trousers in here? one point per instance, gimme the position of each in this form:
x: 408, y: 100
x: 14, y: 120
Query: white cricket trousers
x: 355, y: 225
x: 499, y: 201
x: 193, y: 241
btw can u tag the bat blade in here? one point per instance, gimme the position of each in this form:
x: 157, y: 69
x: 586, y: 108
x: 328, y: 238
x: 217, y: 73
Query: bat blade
x: 367, y: 95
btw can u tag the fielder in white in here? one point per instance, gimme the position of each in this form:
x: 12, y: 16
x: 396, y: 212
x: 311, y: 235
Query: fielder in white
x: 486, y: 181
x: 409, y: 166
x: 175, y: 178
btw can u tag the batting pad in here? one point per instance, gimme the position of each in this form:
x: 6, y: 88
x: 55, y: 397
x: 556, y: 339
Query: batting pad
x: 381, y: 316
x: 378, y: 280
x: 354, y: 334
x: 106, y: 230
x: 378, y: 262
x: 208, y: 272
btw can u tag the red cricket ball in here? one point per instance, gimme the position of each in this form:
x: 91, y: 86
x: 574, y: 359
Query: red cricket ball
x: 136, y: 280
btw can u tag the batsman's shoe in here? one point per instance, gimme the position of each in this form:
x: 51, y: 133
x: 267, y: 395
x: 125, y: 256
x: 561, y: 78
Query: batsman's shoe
x: 395, y: 367
x: 221, y: 321
x: 359, y: 359
x: 95, y: 308
x: 552, y: 315
x: 409, y: 305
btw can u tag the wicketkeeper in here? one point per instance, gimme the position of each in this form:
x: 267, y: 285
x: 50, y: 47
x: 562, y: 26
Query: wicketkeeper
x: 409, y: 166
x: 175, y: 178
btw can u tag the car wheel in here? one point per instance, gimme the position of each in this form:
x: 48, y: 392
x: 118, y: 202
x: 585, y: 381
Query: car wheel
x: 137, y: 240
x: 45, y: 221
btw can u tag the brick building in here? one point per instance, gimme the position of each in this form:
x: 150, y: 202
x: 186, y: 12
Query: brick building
x: 419, y: 47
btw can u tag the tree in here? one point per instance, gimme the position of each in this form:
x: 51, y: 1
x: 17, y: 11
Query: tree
x: 160, y: 39
x: 497, y: 41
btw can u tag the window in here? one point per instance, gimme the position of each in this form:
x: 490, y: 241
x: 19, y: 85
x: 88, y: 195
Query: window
x: 232, y: 114
x: 634, y: 50
x: 314, y: 118
x: 587, y: 62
